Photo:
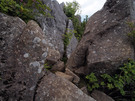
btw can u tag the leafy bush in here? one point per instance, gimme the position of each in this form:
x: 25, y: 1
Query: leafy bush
x: 122, y: 83
x: 23, y: 8
x: 68, y: 36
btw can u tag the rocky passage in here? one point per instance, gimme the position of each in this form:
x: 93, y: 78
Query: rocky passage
x: 23, y: 54
x: 25, y: 49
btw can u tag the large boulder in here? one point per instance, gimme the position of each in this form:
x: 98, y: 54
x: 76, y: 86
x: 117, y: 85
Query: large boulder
x: 55, y: 27
x: 22, y: 56
x: 23, y: 52
x: 10, y: 29
x: 105, y: 44
x: 59, y: 89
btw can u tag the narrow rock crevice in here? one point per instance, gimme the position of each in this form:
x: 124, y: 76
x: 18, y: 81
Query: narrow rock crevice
x: 36, y: 88
x: 64, y: 58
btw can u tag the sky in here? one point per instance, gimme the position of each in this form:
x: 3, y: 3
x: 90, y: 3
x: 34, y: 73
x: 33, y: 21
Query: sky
x: 88, y: 7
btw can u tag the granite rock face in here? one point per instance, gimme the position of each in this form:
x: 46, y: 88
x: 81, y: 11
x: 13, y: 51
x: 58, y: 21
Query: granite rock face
x: 10, y: 29
x: 22, y: 55
x: 55, y: 27
x: 59, y: 66
x: 73, y: 41
x: 105, y: 44
x: 23, y: 51
x: 101, y: 96
x: 59, y: 89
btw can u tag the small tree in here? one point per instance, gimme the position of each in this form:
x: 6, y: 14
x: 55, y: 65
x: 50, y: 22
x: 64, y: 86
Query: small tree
x: 71, y: 8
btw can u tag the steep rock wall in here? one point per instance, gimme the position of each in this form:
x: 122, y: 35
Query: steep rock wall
x: 105, y: 44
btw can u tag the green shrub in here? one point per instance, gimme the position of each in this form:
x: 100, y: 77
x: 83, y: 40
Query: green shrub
x: 23, y: 8
x: 122, y: 83
x: 71, y: 8
x: 47, y: 67
x: 68, y: 36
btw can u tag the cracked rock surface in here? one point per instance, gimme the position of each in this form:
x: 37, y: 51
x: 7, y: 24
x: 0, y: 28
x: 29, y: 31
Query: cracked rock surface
x: 23, y: 51
x: 56, y: 26
x: 59, y: 89
x: 22, y: 58
x: 105, y: 44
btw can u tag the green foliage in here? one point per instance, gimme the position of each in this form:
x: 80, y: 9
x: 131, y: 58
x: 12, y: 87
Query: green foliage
x: 131, y: 34
x: 83, y: 24
x: 79, y: 26
x: 71, y: 9
x: 47, y: 67
x: 123, y: 82
x: 68, y: 36
x: 23, y: 8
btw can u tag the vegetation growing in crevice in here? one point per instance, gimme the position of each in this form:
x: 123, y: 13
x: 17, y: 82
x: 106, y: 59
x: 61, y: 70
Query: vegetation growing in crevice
x: 47, y: 67
x: 71, y: 9
x: 66, y: 39
x: 131, y: 34
x: 120, y: 86
x: 24, y: 9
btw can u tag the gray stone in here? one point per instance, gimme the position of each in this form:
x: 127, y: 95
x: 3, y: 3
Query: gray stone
x: 23, y: 52
x: 50, y: 61
x: 105, y: 44
x: 53, y: 54
x: 10, y: 29
x: 59, y: 66
x: 100, y: 96
x: 65, y: 76
x: 53, y: 88
x: 54, y: 27
x: 84, y: 89
x: 76, y: 79
x: 62, y: 5
x: 21, y: 61
x: 73, y: 41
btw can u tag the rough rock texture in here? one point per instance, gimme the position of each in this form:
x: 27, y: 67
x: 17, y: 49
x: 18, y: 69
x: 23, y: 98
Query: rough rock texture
x: 76, y: 79
x: 65, y: 76
x: 55, y: 27
x: 23, y: 52
x: 105, y: 44
x: 100, y: 96
x: 53, y: 54
x: 85, y: 90
x: 62, y: 5
x: 22, y: 56
x: 10, y: 29
x: 59, y: 66
x: 73, y: 41
x: 58, y: 89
